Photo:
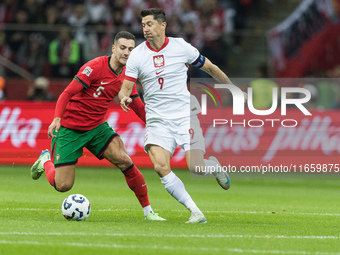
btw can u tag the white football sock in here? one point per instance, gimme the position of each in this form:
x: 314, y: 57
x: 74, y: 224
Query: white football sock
x: 147, y: 209
x: 176, y: 188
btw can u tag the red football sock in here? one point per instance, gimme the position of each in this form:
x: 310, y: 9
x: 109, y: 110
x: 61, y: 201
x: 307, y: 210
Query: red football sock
x: 136, y: 183
x: 50, y: 172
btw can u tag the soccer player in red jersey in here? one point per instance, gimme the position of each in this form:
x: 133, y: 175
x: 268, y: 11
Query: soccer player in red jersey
x: 79, y: 121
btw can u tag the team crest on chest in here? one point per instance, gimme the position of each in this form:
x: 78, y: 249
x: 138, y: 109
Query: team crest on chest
x: 158, y: 61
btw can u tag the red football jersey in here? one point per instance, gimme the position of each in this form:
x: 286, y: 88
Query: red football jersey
x: 87, y: 109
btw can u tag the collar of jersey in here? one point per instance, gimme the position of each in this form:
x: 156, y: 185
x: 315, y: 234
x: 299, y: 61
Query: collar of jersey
x: 112, y: 68
x: 163, y: 46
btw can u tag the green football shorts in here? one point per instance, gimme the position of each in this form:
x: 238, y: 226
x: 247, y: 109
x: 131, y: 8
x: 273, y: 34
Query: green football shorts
x: 67, y: 146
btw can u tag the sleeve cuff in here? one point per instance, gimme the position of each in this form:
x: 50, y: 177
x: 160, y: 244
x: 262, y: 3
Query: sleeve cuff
x: 130, y: 78
x: 134, y: 96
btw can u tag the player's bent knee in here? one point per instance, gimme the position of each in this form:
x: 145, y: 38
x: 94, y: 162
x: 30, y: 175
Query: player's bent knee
x: 162, y: 170
x: 64, y: 187
x: 124, y: 162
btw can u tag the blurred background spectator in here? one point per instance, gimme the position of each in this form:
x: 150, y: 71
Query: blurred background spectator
x: 39, y: 90
x: 216, y: 22
x: 17, y: 38
x: 34, y: 10
x: 31, y: 56
x: 98, y: 11
x: 78, y: 19
x: 8, y: 8
x: 64, y: 54
x: 51, y: 20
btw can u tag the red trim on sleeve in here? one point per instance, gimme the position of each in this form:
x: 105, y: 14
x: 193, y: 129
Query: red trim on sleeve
x: 130, y: 78
x: 161, y: 48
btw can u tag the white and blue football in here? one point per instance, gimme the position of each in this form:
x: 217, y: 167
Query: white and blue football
x: 76, y: 207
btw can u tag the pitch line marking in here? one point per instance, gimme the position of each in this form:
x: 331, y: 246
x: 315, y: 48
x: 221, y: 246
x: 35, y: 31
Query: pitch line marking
x: 156, y: 247
x: 167, y: 235
x: 226, y: 212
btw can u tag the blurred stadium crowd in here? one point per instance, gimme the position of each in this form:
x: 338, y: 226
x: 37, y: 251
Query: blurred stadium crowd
x: 53, y: 39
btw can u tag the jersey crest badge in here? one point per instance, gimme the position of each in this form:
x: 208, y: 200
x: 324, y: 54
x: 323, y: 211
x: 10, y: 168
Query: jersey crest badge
x: 158, y: 61
x: 87, y: 71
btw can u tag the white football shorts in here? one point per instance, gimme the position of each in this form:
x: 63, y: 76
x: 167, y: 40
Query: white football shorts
x: 184, y: 132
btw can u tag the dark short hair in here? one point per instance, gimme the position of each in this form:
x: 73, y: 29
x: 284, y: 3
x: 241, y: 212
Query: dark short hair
x: 158, y: 14
x: 125, y: 35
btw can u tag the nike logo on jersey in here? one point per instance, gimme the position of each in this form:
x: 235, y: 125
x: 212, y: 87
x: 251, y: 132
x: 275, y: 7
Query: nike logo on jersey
x: 104, y: 82
x: 193, y: 143
x: 157, y: 73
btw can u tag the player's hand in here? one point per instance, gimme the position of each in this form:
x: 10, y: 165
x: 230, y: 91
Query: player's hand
x: 54, y: 125
x: 125, y: 102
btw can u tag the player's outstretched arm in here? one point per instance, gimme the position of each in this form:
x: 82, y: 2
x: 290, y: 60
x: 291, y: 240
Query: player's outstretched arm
x: 124, y: 94
x: 215, y: 72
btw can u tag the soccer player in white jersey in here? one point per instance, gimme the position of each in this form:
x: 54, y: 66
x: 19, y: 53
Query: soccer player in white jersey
x: 160, y: 64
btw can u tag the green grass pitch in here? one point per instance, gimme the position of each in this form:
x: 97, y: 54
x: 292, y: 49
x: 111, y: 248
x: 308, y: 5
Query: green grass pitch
x: 256, y: 216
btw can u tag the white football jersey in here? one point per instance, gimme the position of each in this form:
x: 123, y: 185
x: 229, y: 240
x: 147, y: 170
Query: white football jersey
x: 163, y: 75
